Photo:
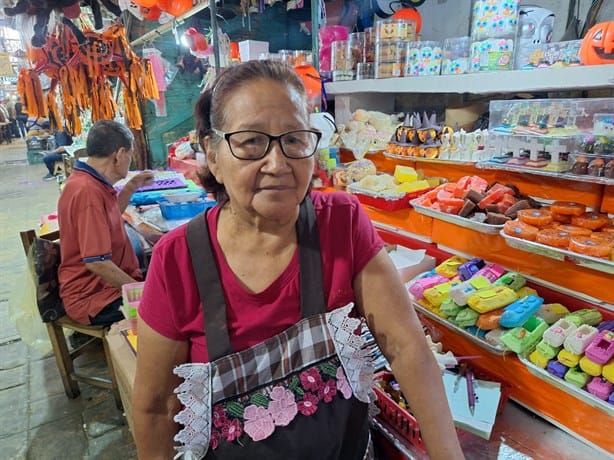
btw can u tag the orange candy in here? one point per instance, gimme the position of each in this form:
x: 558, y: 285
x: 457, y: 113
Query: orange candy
x: 553, y: 237
x: 535, y: 217
x: 589, y: 247
x: 561, y: 218
x: 568, y: 208
x: 520, y: 230
x: 574, y: 230
x: 591, y: 220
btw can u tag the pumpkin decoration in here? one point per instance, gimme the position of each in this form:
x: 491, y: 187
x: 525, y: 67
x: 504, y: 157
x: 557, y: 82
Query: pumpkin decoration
x: 598, y: 44
x: 409, y: 14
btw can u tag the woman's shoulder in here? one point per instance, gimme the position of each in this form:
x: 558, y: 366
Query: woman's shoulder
x: 333, y: 200
x: 171, y: 241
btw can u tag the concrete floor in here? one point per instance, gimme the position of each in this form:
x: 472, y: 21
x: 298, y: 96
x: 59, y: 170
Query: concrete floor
x: 37, y: 420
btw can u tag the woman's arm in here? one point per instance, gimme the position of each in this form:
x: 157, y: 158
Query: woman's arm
x: 153, y: 402
x: 385, y: 303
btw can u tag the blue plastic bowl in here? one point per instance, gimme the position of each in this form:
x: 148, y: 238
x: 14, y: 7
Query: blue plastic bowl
x: 174, y: 211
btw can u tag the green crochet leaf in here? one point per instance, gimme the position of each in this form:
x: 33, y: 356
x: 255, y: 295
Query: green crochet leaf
x: 295, y: 386
x: 235, y: 409
x: 259, y: 399
x: 328, y: 369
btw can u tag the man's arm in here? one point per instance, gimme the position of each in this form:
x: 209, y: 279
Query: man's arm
x: 109, y: 272
x: 123, y: 197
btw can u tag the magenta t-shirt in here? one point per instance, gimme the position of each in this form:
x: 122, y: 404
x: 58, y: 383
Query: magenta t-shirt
x: 171, y: 304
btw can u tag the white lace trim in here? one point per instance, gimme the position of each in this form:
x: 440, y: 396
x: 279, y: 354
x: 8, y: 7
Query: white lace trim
x: 352, y: 353
x: 195, y: 394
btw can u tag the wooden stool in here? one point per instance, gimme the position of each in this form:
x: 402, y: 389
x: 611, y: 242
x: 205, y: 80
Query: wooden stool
x: 58, y: 167
x: 63, y: 356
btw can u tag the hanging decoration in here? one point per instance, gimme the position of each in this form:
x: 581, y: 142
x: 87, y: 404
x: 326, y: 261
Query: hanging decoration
x: 70, y: 9
x: 78, y: 64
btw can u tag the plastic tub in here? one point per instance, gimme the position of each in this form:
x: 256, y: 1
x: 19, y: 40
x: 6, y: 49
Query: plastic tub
x: 173, y: 211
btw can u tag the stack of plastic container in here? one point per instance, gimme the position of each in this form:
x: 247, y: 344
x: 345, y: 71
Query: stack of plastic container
x: 391, y: 38
x: 493, y: 32
x: 422, y: 58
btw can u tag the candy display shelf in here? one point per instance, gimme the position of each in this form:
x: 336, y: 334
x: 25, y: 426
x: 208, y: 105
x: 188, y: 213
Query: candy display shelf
x: 511, y: 81
x: 541, y: 172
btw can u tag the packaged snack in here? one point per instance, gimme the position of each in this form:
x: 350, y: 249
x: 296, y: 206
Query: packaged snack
x: 568, y: 208
x: 552, y: 312
x: 418, y: 287
x: 491, y: 298
x: 577, y: 377
x: 556, y: 334
x: 492, y: 272
x: 557, y: 368
x: 573, y: 230
x: 580, y: 339
x: 553, y: 237
x: 520, y: 230
x: 512, y: 280
x: 468, y: 269
x: 600, y: 387
x: 535, y: 217
x: 538, y: 359
x: 590, y: 367
x: 568, y: 358
x: 561, y: 218
x: 589, y: 247
x: 518, y: 312
x: 522, y: 338
x: 438, y: 294
x: 490, y: 320
x: 547, y: 350
x: 608, y: 371
x: 590, y: 220
x: 590, y: 316
x: 601, y: 349
x: 494, y: 337
x: 449, y: 267
x: 466, y: 318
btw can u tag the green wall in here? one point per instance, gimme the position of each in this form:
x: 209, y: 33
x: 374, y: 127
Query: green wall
x: 281, y: 30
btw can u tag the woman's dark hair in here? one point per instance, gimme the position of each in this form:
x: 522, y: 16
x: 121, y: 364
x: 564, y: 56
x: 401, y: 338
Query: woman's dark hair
x: 209, y: 109
x: 107, y: 137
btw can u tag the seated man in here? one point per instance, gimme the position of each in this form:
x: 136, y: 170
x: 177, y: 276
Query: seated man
x: 97, y: 257
x: 62, y: 139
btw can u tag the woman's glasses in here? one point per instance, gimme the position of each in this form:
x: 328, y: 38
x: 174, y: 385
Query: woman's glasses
x: 254, y: 145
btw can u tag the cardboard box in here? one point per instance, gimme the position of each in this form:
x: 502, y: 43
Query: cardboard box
x: 410, y: 262
x: 250, y: 50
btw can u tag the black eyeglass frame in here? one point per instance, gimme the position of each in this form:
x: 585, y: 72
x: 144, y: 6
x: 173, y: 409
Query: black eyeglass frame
x: 271, y: 138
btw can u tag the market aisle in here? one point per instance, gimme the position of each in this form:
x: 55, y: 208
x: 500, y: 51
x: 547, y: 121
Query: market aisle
x: 37, y: 420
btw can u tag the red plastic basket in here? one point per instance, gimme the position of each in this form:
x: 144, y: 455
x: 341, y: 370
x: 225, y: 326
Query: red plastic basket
x: 398, y: 418
x: 404, y: 423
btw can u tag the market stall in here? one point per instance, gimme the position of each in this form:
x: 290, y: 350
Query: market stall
x: 523, y: 202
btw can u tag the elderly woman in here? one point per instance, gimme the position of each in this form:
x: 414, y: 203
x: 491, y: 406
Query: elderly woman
x: 250, y: 314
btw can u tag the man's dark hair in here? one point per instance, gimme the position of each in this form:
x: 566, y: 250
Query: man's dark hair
x: 107, y: 137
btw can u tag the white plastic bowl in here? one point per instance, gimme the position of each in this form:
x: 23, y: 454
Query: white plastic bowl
x: 185, y: 197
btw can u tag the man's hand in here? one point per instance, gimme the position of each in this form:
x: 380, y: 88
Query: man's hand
x: 141, y: 179
x: 136, y: 182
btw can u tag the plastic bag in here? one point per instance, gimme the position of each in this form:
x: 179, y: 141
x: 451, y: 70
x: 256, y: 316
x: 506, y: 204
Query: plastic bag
x: 24, y: 313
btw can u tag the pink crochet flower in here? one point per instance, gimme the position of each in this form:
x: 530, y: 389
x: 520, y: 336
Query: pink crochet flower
x: 232, y: 430
x: 258, y: 422
x: 215, y: 439
x: 311, y: 379
x: 342, y: 384
x: 328, y: 391
x: 282, y: 406
x: 309, y: 404
x: 219, y: 417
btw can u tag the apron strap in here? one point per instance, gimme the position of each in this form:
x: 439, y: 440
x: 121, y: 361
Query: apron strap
x: 310, y: 263
x: 210, y: 286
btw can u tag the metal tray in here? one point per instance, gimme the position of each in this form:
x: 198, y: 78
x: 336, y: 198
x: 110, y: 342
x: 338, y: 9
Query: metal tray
x: 457, y: 220
x: 429, y: 160
x: 477, y: 340
x: 355, y: 188
x: 593, y: 263
x: 582, y: 395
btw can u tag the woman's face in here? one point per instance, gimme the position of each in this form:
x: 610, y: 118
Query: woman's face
x: 272, y: 187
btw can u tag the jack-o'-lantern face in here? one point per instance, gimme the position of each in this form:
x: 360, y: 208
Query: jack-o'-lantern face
x: 598, y: 44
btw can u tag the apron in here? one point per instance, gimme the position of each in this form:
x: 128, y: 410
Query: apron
x: 302, y: 394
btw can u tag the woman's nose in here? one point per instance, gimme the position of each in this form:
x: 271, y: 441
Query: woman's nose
x: 275, y: 158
